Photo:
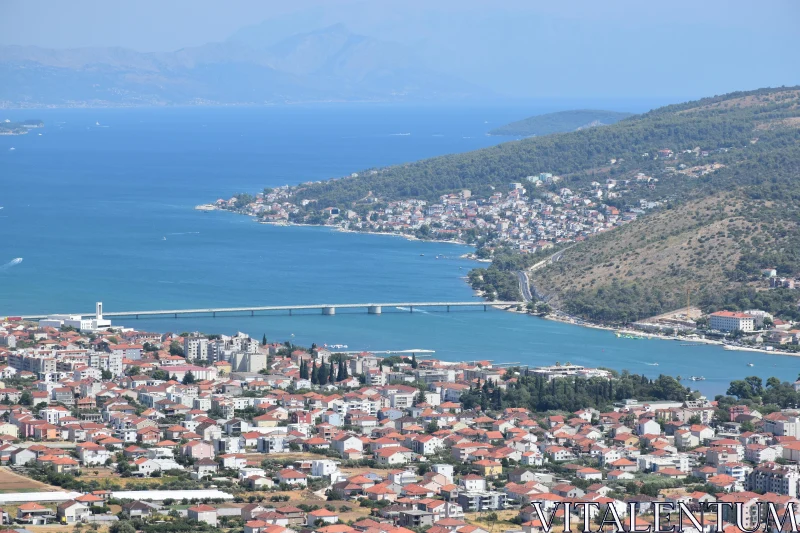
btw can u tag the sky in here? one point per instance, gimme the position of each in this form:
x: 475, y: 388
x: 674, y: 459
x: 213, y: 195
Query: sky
x: 520, y: 49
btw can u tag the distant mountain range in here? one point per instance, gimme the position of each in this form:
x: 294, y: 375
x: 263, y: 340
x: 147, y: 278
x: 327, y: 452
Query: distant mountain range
x: 331, y: 64
x: 560, y: 122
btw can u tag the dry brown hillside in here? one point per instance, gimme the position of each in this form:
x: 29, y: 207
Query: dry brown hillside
x: 694, y: 246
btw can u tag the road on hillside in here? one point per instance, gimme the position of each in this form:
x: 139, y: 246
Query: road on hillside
x: 524, y: 286
x: 522, y: 276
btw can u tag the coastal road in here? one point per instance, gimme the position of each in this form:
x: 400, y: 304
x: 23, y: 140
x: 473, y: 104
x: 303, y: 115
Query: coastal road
x: 524, y: 286
x: 555, y: 258
x: 522, y: 276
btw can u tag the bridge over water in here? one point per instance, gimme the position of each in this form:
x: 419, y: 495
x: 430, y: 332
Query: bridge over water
x: 325, y: 309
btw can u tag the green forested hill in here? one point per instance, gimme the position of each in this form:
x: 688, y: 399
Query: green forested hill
x: 712, y: 235
x: 560, y: 122
x: 729, y: 122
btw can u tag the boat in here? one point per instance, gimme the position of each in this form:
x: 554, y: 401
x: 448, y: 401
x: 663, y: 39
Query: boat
x: 422, y: 255
x: 750, y: 364
x: 338, y: 346
x: 697, y: 378
x: 652, y: 364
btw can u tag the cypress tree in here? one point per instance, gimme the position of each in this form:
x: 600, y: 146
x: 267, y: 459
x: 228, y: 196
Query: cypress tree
x: 413, y: 360
x: 314, y: 374
x: 322, y: 374
x: 422, y: 397
x: 264, y: 340
x: 331, y: 375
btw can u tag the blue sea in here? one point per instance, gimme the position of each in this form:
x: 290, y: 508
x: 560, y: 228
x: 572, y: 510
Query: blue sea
x: 99, y: 205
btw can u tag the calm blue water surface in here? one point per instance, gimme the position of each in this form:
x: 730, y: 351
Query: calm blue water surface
x: 105, y: 212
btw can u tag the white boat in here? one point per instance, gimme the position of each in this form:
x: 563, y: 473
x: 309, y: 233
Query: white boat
x: 697, y: 378
x: 750, y: 364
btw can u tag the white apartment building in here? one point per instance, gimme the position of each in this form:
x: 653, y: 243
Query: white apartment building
x: 771, y: 477
x: 731, y: 321
x: 195, y: 348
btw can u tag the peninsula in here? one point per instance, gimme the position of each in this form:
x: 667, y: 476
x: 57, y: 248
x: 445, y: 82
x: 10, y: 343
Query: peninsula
x: 8, y: 127
x: 560, y: 122
x: 691, y: 201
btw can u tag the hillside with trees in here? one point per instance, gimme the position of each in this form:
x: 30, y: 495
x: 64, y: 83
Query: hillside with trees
x: 727, y: 131
x: 722, y: 192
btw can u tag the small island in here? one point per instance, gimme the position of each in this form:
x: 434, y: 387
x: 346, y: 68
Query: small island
x: 8, y: 127
x: 560, y: 122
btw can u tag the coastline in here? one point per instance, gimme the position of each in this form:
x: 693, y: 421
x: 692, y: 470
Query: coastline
x: 390, y: 234
x: 554, y: 316
x: 688, y: 340
x: 212, y: 207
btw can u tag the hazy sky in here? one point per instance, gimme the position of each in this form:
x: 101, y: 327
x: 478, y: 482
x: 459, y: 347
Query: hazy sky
x: 518, y: 48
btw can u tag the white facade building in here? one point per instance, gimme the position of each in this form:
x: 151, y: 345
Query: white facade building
x: 731, y: 321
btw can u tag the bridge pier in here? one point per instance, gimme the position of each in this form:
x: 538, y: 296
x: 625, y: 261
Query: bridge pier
x: 374, y: 309
x: 448, y: 308
x: 484, y: 307
x: 410, y: 308
x: 329, y: 311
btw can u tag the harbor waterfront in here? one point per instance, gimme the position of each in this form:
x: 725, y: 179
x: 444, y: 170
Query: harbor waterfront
x: 91, y: 218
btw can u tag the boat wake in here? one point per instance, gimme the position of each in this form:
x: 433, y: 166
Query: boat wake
x: 399, y: 134
x: 13, y: 262
x: 415, y: 310
x: 184, y: 233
